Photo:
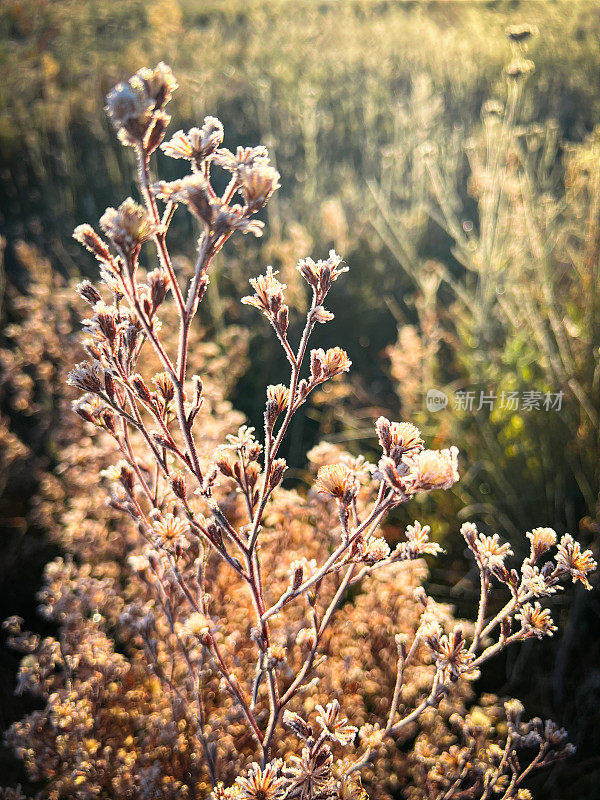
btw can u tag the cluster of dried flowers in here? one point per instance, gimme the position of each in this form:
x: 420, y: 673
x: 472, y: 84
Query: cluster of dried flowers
x: 208, y: 649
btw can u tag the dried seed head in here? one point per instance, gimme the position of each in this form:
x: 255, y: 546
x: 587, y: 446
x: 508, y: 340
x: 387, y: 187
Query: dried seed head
x: 128, y: 227
x: 398, y: 438
x: 234, y: 218
x: 197, y: 144
x: 418, y: 543
x: 244, y: 158
x: 433, y: 469
x: 336, y: 480
x: 158, y: 281
x: 320, y: 314
x: 194, y: 192
x: 535, y: 621
x: 328, y: 363
x: 170, y: 531
x: 197, y: 624
x: 375, y: 550
x: 268, y: 293
x: 572, y: 560
x: 296, y: 724
x: 491, y: 553
x: 258, y: 181
x: 333, y: 725
x: 450, y: 653
x: 158, y: 84
x: 130, y: 110
x: 321, y: 274
x: 542, y: 539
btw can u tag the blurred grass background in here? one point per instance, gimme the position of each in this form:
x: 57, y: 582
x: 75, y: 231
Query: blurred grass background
x: 473, y: 248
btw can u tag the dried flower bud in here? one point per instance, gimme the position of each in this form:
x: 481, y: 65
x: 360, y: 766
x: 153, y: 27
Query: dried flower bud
x: 278, y: 469
x: 224, y: 464
x: 178, y: 485
x: 282, y: 319
x: 320, y: 314
x: 297, y: 725
x: 384, y: 432
x: 252, y: 472
x: 84, y: 411
x: 277, y: 402
x: 87, y: 236
x: 297, y: 575
x: 109, y: 386
x: 108, y: 420
x: 140, y: 388
x: 156, y: 132
x: 88, y: 292
x: 316, y: 364
x: 159, y: 285
x: 469, y: 532
x: 126, y: 477
x: 164, y: 384
x: 86, y: 376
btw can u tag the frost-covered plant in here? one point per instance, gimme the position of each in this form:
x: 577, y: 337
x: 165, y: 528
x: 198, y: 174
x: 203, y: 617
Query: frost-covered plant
x: 513, y: 313
x: 212, y: 646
